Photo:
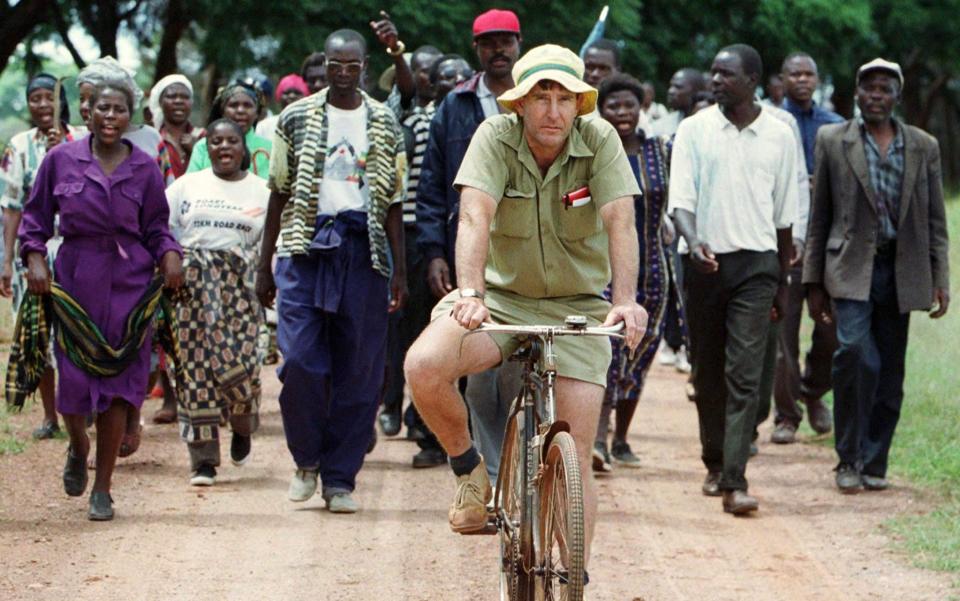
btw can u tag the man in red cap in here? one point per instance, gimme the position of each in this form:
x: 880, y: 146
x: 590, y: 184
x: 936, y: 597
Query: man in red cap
x: 496, y: 38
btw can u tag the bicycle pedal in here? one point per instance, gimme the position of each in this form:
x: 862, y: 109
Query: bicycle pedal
x: 488, y: 530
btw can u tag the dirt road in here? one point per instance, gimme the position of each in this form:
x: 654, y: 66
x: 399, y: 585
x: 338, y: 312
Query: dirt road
x: 659, y: 539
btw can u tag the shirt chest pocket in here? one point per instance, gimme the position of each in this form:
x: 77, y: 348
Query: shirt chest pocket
x: 579, y: 222
x: 516, y: 214
x: 68, y: 189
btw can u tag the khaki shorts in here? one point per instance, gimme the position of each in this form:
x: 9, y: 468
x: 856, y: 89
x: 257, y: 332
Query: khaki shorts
x: 585, y: 358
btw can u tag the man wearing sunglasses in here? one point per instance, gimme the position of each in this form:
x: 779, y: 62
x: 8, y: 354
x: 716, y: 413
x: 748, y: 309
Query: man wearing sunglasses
x: 336, y: 179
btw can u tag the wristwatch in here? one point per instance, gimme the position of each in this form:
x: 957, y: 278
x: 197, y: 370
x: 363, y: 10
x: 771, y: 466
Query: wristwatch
x: 470, y: 293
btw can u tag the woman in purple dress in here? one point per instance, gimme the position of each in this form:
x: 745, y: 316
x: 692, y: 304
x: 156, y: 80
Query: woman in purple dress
x: 113, y: 219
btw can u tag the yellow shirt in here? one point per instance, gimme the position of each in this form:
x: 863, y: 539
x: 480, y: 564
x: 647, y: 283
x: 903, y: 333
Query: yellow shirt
x: 540, y: 248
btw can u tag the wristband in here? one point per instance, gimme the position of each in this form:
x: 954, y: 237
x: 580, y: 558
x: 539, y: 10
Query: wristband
x: 401, y: 47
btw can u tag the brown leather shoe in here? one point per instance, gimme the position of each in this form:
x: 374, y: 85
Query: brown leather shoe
x: 819, y: 415
x: 738, y: 502
x: 711, y: 485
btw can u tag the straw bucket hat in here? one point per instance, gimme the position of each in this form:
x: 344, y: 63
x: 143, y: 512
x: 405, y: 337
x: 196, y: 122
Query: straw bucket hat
x: 553, y: 63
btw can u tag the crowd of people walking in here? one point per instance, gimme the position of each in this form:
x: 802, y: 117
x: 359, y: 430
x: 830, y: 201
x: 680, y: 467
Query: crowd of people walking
x: 361, y: 238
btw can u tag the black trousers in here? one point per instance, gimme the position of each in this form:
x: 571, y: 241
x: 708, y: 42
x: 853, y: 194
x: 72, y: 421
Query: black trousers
x: 728, y: 312
x: 790, y: 384
x: 404, y: 327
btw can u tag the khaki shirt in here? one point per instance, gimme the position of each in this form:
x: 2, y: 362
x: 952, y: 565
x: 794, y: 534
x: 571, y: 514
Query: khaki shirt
x: 539, y: 248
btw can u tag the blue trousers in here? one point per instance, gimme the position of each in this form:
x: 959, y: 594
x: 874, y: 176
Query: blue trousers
x: 868, y: 372
x: 332, y: 331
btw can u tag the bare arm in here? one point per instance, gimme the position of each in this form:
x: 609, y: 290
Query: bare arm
x: 700, y: 254
x: 398, y: 281
x: 265, y: 287
x: 11, y: 223
x: 477, y: 209
x: 619, y: 222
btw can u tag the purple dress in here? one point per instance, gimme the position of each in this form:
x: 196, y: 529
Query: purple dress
x: 114, y: 233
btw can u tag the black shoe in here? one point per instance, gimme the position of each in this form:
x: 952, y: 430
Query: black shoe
x: 373, y: 442
x: 46, y: 431
x: 429, y: 458
x: 848, y: 479
x: 205, y: 475
x: 389, y: 423
x: 101, y: 507
x: 239, y: 449
x: 75, y: 474
x: 711, y: 485
x: 415, y: 432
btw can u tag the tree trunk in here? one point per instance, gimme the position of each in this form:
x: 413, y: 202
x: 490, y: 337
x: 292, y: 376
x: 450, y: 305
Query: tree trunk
x: 106, y: 28
x: 176, y: 22
x: 17, y: 22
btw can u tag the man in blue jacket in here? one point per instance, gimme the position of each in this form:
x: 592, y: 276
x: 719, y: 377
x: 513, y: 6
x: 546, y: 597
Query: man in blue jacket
x: 496, y: 38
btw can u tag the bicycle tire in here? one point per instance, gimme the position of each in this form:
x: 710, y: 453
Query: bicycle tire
x: 560, y: 554
x: 509, y: 498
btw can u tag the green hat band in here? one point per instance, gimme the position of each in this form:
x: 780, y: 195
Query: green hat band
x: 545, y: 67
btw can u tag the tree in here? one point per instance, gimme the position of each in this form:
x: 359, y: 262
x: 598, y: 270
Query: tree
x: 17, y: 22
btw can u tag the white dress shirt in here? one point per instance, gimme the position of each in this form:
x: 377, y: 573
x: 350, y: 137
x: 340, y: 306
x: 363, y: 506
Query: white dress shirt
x: 740, y: 184
x: 799, y: 231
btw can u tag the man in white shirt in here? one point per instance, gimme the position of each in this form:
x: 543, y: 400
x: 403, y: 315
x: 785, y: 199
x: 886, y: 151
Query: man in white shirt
x: 733, y: 196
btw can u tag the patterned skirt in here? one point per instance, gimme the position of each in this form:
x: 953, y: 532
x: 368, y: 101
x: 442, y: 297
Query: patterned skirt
x: 218, y: 334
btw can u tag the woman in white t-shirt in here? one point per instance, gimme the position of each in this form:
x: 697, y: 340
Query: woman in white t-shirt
x: 217, y: 215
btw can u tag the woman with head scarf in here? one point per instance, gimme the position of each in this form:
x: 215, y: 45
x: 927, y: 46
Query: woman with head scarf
x: 290, y: 89
x: 171, y: 101
x: 143, y: 136
x: 217, y: 215
x: 114, y: 216
x: 50, y: 117
x: 240, y: 103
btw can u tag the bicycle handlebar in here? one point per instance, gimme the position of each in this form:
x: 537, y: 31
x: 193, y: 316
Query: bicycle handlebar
x: 496, y: 328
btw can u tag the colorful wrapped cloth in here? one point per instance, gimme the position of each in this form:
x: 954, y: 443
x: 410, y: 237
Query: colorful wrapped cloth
x: 219, y: 326
x: 80, y: 338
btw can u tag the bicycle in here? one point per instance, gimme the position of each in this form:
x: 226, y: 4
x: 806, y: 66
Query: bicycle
x: 538, y: 505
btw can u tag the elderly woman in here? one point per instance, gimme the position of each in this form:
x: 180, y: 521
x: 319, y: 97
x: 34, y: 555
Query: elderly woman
x: 18, y: 168
x: 240, y: 103
x: 290, y: 89
x: 217, y: 215
x: 620, y: 101
x: 109, y: 196
x: 143, y: 136
x: 171, y: 101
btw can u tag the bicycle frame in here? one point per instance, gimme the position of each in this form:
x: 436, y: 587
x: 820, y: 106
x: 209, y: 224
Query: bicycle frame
x: 537, y: 403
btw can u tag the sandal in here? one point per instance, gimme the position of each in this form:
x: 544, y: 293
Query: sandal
x: 130, y: 443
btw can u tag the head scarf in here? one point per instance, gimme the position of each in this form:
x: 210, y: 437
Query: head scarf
x: 157, y: 92
x: 108, y: 69
x: 291, y: 82
x: 45, y: 81
x: 227, y: 92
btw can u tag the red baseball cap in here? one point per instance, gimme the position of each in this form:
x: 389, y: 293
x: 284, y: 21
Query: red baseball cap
x: 496, y: 21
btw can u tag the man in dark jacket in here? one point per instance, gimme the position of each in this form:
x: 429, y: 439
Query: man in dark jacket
x: 496, y: 38
x: 876, y: 249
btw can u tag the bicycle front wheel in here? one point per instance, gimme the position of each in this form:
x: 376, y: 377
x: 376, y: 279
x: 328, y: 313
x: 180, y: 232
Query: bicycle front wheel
x: 513, y: 579
x: 560, y: 529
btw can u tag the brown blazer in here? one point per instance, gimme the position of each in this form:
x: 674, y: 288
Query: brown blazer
x: 842, y: 236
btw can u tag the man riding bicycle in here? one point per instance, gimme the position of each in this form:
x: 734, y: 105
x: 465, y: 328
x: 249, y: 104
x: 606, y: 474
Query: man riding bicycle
x: 546, y: 212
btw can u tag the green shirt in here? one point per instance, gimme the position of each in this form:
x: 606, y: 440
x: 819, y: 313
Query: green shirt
x: 539, y: 248
x: 259, y: 155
